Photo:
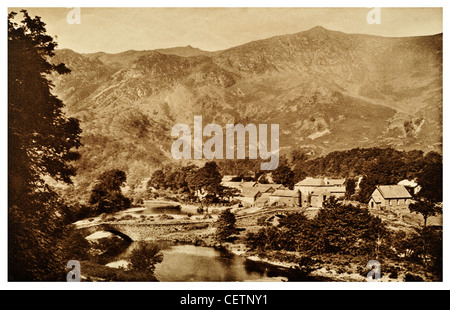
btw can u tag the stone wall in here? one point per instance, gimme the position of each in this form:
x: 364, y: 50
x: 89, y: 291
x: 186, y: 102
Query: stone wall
x: 145, y: 231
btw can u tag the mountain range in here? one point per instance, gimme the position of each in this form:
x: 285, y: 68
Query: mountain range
x: 327, y: 90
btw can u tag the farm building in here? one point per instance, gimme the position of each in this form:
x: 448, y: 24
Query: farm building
x: 314, y: 191
x: 285, y: 197
x: 263, y: 200
x: 390, y: 197
x: 249, y: 195
x: 268, y: 188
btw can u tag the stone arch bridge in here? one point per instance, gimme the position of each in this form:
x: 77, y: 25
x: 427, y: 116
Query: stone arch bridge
x: 135, y: 231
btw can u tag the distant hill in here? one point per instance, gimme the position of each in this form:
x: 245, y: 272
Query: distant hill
x: 327, y: 90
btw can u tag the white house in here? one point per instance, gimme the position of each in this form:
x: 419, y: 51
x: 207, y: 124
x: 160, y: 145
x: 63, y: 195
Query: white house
x: 314, y: 191
x: 390, y: 197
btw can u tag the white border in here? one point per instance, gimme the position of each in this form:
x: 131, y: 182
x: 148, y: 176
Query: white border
x: 210, y: 285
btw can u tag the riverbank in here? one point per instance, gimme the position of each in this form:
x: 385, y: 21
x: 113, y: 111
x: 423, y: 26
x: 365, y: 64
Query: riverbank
x: 199, y: 230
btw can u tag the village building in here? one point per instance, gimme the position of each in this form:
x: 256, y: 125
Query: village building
x: 268, y: 188
x: 314, y: 191
x: 249, y: 195
x: 411, y: 185
x: 263, y: 200
x: 230, y: 184
x: 390, y: 197
x: 247, y: 184
x: 285, y: 197
x: 228, y: 178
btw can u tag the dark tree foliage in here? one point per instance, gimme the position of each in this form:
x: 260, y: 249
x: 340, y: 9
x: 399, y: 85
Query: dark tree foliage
x: 295, y: 233
x: 207, y: 178
x: 430, y: 249
x: 431, y: 176
x: 423, y: 247
x: 377, y: 166
x: 426, y: 208
x: 337, y: 228
x: 350, y: 185
x: 243, y: 168
x: 41, y: 142
x: 283, y: 175
x: 145, y: 257
x: 347, y: 229
x: 172, y: 177
x: 266, y: 238
x: 225, y: 225
x: 157, y: 179
x: 106, y: 196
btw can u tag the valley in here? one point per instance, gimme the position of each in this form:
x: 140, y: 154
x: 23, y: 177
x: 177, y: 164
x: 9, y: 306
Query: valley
x: 326, y: 89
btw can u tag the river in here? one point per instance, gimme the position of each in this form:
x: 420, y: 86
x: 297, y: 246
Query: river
x: 190, y: 263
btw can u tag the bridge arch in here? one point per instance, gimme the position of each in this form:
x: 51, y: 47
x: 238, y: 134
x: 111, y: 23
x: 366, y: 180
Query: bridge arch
x: 106, y: 227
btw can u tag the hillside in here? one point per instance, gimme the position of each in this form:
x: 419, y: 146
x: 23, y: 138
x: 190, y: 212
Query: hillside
x: 326, y: 89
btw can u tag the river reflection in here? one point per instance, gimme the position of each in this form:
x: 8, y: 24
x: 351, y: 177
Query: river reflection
x: 190, y: 263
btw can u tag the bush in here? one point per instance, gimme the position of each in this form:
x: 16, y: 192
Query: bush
x: 393, y: 274
x: 126, y: 217
x: 166, y: 217
x: 261, y: 221
x: 145, y: 257
x: 412, y: 278
x: 392, y: 271
x: 105, y: 249
x: 76, y: 246
x: 225, y: 225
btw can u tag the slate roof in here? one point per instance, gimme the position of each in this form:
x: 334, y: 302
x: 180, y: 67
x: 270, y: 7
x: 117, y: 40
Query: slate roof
x: 263, y: 198
x: 311, y: 182
x: 266, y: 187
x: 285, y: 193
x: 393, y: 191
x: 250, y: 192
x: 232, y: 184
x: 376, y: 199
x: 247, y: 184
x: 336, y: 181
x: 320, y: 182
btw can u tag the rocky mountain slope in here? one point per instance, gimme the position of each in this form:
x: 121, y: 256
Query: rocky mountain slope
x: 327, y: 90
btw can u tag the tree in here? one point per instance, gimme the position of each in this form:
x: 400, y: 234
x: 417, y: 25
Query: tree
x: 283, y: 175
x: 206, y: 179
x: 384, y: 171
x: 145, y: 257
x: 426, y: 208
x: 41, y: 143
x: 347, y: 229
x: 107, y: 195
x: 157, y: 179
x: 430, y: 248
x: 431, y: 177
x: 295, y: 233
x: 424, y: 247
x: 225, y: 225
x: 350, y: 185
x: 266, y: 238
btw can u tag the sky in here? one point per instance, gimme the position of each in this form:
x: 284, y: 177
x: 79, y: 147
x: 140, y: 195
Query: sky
x: 115, y: 30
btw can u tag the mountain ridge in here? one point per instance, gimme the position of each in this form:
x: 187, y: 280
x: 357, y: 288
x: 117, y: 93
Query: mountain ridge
x: 328, y: 90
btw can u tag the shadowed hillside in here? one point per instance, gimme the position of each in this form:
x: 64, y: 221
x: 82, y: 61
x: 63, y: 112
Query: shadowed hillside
x: 326, y: 89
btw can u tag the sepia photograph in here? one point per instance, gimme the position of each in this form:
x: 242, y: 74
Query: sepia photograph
x: 225, y: 144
